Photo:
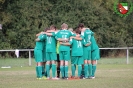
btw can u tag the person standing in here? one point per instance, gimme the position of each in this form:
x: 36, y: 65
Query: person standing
x: 51, y: 55
x: 87, y: 34
x: 64, y: 50
x: 38, y: 54
x: 95, y: 55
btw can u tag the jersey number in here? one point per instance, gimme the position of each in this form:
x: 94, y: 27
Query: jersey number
x: 89, y: 37
x: 79, y: 44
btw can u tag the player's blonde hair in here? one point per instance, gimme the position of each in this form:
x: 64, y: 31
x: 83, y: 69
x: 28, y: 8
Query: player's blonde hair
x: 70, y: 29
x: 64, y: 25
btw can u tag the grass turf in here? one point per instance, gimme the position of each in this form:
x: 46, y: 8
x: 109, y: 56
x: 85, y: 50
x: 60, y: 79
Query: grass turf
x: 109, y: 74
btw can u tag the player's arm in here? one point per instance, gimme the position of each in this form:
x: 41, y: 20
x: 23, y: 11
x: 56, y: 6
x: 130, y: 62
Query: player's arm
x: 39, y: 34
x: 41, y: 38
x: 37, y: 39
x: 88, y: 44
x: 61, y: 39
x: 47, y: 33
x: 85, y: 43
x: 76, y: 38
x: 66, y: 43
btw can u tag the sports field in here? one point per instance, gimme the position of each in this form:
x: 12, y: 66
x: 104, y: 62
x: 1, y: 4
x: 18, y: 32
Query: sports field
x: 111, y: 73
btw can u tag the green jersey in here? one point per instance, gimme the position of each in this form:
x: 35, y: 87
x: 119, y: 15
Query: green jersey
x: 64, y: 34
x: 77, y: 47
x: 51, y: 43
x: 87, y: 36
x: 44, y: 41
x: 94, y: 45
x: 40, y: 44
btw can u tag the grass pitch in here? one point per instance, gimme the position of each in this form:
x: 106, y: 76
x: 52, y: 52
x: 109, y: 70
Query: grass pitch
x: 111, y: 73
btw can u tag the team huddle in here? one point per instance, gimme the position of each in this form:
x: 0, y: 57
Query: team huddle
x: 55, y: 49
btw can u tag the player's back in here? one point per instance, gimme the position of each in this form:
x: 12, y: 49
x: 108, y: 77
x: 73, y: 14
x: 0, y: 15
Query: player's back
x: 87, y: 37
x: 94, y: 45
x: 64, y: 34
x: 51, y: 43
x: 40, y: 44
x: 77, y: 47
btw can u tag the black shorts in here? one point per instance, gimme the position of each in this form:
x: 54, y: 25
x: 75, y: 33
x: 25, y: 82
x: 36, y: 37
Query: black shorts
x: 58, y: 58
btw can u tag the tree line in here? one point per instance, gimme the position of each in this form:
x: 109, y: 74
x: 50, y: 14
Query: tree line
x: 22, y: 19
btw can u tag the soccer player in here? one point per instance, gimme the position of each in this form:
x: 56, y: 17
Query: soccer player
x: 64, y: 50
x: 77, y: 53
x: 58, y: 60
x: 86, y: 33
x: 44, y: 53
x: 38, y: 53
x: 51, y: 52
x: 95, y: 55
x: 57, y: 52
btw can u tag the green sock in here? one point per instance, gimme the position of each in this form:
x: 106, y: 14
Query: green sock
x: 73, y: 68
x: 47, y: 70
x: 90, y: 69
x: 43, y: 72
x: 53, y: 70
x: 37, y: 74
x: 66, y: 71
x: 93, y: 69
x: 86, y: 70
x: 62, y: 70
x: 40, y: 71
x: 82, y: 72
x: 79, y: 70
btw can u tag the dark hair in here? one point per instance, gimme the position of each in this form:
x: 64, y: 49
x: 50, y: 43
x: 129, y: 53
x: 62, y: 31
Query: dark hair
x: 77, y: 31
x: 53, y: 26
x: 81, y: 25
x: 46, y: 29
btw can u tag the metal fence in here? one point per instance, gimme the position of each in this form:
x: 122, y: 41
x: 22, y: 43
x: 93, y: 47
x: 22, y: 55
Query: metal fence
x: 29, y: 50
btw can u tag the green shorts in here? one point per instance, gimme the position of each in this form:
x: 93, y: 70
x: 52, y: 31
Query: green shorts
x: 64, y: 55
x: 95, y: 55
x: 38, y: 54
x: 51, y: 56
x: 78, y: 60
x: 86, y: 54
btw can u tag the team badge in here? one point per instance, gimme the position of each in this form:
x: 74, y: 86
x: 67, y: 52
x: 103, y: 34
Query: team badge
x: 123, y: 9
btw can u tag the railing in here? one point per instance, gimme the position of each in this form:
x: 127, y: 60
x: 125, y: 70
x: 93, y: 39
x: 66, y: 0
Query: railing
x: 29, y: 50
x: 126, y: 48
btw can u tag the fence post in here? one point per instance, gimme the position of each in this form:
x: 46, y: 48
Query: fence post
x: 127, y: 55
x: 29, y: 58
